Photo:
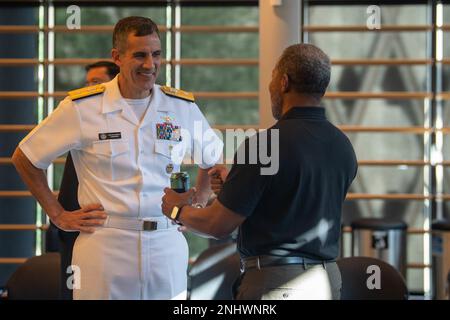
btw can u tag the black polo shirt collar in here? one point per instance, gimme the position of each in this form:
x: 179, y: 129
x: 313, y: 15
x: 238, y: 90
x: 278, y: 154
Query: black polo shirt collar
x: 312, y: 113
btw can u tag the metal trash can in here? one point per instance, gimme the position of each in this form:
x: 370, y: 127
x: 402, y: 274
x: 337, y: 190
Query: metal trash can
x: 382, y: 239
x: 441, y: 258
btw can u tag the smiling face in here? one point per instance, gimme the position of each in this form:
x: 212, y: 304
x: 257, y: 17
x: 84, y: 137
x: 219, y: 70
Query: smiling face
x: 139, y: 63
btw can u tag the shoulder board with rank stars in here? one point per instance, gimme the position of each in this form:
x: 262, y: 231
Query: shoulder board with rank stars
x: 188, y: 96
x: 86, y: 92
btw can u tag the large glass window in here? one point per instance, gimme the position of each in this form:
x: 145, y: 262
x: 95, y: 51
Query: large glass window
x: 381, y: 95
x: 390, y: 93
x: 19, y: 52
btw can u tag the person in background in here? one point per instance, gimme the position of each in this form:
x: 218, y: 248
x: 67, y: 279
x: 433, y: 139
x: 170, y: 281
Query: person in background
x: 100, y: 72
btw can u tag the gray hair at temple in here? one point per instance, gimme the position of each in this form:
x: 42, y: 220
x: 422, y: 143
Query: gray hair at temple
x: 308, y: 69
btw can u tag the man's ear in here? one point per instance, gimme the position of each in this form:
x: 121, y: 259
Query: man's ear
x: 285, y: 83
x: 116, y: 56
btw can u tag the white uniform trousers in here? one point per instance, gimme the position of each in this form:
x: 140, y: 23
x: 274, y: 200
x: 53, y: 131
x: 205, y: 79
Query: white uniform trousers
x: 130, y: 265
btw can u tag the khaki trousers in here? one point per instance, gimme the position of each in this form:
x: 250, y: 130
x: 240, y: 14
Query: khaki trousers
x: 290, y: 282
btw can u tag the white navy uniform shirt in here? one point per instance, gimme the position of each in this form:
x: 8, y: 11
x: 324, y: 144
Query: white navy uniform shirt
x: 120, y: 162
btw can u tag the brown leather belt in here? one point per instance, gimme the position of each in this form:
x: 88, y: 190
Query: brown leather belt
x: 271, y: 261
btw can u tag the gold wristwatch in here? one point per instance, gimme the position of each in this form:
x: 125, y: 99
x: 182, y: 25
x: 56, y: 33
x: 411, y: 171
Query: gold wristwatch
x: 175, y: 214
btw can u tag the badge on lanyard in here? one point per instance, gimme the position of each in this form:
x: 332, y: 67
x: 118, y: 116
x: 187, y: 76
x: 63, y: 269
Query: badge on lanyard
x: 169, y: 167
x: 167, y: 130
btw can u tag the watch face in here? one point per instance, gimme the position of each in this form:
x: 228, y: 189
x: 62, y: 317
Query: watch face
x: 174, y: 213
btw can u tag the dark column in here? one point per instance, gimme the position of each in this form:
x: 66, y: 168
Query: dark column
x: 16, y: 111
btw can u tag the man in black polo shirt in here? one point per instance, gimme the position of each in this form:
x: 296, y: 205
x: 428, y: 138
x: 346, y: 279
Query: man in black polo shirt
x: 289, y: 221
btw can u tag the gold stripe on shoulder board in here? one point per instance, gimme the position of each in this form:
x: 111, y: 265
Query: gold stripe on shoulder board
x: 86, y: 92
x: 177, y: 93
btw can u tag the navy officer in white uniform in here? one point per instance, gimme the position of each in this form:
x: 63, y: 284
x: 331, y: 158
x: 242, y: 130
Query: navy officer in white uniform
x: 126, y: 137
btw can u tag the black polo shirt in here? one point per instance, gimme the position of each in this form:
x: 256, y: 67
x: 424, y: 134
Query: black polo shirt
x: 297, y: 210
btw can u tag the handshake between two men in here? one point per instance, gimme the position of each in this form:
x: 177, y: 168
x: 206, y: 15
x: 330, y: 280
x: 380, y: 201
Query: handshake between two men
x: 172, y: 199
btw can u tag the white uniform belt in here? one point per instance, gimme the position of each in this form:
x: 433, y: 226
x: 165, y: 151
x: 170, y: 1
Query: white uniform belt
x: 138, y: 224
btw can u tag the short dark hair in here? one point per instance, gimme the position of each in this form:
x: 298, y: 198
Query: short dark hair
x: 140, y: 26
x: 111, y: 68
x: 308, y: 69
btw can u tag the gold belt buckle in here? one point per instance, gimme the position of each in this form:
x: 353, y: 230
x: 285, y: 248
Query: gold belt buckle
x: 150, y: 225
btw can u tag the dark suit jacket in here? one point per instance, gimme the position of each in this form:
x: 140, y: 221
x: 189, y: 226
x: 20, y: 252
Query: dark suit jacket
x: 68, y: 197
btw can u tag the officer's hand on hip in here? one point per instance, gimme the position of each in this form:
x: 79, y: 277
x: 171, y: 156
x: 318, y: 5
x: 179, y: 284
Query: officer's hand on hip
x: 172, y: 198
x: 217, y: 176
x: 85, y: 219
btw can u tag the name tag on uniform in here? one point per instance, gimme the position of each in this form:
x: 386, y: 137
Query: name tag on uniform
x: 109, y: 135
